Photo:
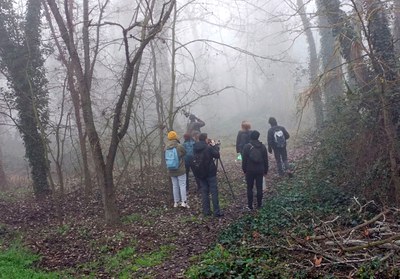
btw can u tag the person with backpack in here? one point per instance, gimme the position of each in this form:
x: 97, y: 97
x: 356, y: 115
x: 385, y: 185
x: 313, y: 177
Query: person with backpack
x: 193, y: 128
x: 205, y: 170
x: 255, y: 166
x: 243, y: 137
x: 174, y: 159
x: 188, y: 145
x: 277, y: 137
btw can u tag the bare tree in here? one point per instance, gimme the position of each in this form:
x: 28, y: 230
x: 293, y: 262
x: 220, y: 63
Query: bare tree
x: 72, y: 86
x: 150, y: 27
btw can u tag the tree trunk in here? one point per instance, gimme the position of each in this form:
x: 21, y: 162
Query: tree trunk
x: 343, y: 30
x: 171, y: 113
x: 3, y: 177
x: 330, y: 60
x: 22, y: 60
x: 77, y: 105
x: 392, y: 140
x: 313, y: 66
x: 396, y: 27
x: 384, y: 63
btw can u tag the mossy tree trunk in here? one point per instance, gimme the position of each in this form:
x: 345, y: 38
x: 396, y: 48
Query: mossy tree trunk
x: 313, y: 66
x: 21, y: 59
x: 384, y: 63
x: 332, y: 81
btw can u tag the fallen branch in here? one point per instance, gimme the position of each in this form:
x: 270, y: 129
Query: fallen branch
x: 373, y: 244
x: 356, y: 242
x: 377, y: 217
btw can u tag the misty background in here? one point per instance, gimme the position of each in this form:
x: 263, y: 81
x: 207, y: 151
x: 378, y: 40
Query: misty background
x: 235, y: 60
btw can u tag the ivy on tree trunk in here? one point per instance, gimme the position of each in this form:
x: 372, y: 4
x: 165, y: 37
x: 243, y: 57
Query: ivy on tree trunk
x: 22, y: 62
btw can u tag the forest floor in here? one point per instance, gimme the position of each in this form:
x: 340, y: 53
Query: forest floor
x: 154, y: 240
x: 304, y: 231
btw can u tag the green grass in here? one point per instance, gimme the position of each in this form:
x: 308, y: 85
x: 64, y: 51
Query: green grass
x: 131, y: 219
x: 137, y: 218
x: 191, y: 219
x: 152, y: 259
x: 127, y: 263
x: 17, y: 262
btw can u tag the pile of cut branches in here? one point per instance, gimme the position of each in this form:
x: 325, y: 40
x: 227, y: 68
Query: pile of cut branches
x: 376, y: 240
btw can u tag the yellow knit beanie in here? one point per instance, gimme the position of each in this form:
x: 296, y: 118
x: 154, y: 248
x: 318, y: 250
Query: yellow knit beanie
x: 172, y: 135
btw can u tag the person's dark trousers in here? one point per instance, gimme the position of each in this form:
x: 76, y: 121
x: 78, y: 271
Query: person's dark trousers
x: 198, y: 184
x: 209, y: 186
x: 250, y: 178
x: 281, y: 159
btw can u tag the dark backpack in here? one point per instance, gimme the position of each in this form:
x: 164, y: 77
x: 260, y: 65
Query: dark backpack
x: 189, y: 150
x: 172, y: 158
x: 200, y: 164
x: 279, y: 137
x: 255, y: 154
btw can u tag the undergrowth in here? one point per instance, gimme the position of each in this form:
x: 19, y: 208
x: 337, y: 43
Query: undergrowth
x: 18, y: 262
x: 329, y: 185
x: 253, y: 247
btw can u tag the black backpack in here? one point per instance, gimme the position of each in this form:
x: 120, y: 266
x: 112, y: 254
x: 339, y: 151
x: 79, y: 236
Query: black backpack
x: 255, y: 154
x: 200, y: 164
x: 279, y: 137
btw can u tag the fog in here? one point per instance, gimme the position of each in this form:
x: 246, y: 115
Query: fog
x: 235, y: 60
x: 255, y: 52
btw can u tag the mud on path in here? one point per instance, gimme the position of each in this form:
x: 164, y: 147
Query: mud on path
x: 70, y: 233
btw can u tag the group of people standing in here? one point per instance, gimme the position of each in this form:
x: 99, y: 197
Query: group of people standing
x: 199, y: 154
x: 254, y: 156
x: 196, y: 146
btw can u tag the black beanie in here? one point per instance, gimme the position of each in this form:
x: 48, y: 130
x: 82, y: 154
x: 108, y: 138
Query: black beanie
x: 254, y: 135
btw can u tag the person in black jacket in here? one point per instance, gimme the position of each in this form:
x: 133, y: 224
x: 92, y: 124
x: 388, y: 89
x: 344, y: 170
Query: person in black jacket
x: 208, y: 183
x: 255, y: 166
x: 278, y: 145
x: 193, y: 128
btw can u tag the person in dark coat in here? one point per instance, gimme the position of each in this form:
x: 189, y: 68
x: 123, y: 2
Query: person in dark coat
x: 193, y: 128
x: 279, y: 149
x: 208, y: 184
x: 243, y: 137
x: 255, y: 166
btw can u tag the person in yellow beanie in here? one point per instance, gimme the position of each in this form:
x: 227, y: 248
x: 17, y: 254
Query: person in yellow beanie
x: 174, y: 159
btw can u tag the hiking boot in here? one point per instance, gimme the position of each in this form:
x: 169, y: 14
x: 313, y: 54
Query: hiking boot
x: 219, y: 215
x: 184, y: 204
x: 176, y: 204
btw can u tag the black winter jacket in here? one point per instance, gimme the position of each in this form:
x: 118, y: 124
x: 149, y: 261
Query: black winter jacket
x: 248, y: 165
x: 213, y: 152
x: 243, y: 137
